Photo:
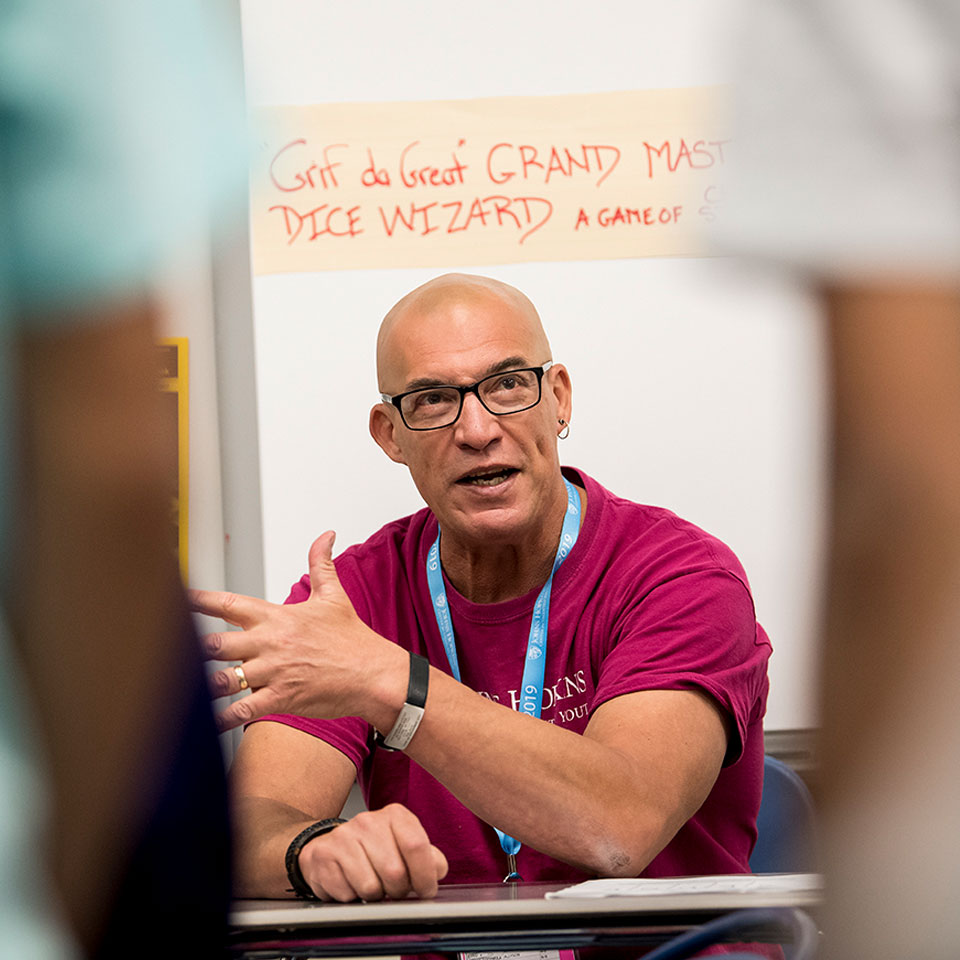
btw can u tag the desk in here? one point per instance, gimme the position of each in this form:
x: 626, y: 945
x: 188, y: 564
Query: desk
x: 472, y: 917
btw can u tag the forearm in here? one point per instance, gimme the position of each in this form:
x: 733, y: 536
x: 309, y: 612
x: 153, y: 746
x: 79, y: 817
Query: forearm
x: 896, y: 504
x: 608, y: 800
x: 93, y: 595
x: 890, y: 711
x: 582, y: 799
x: 553, y: 789
x: 264, y: 829
x: 281, y: 780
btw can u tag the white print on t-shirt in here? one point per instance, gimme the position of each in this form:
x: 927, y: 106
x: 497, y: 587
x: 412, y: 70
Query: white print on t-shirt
x: 565, y: 688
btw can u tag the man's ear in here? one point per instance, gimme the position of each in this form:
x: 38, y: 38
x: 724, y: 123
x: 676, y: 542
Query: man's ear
x: 383, y: 430
x: 559, y: 385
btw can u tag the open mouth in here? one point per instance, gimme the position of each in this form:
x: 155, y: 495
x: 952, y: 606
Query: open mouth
x: 487, y: 478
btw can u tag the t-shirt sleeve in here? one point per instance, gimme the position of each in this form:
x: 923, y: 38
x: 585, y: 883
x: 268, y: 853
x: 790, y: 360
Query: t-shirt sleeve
x: 846, y: 151
x: 349, y: 735
x: 112, y: 148
x: 695, y: 631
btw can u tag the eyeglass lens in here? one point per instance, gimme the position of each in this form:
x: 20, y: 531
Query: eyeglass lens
x: 507, y: 392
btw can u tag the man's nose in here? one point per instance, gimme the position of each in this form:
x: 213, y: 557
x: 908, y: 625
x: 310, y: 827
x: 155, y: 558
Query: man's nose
x: 476, y: 426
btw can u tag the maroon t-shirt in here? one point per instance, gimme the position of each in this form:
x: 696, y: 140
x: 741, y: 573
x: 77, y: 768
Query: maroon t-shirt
x: 644, y: 601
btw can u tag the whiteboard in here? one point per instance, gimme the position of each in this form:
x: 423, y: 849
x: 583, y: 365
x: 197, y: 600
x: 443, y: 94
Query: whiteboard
x: 698, y: 384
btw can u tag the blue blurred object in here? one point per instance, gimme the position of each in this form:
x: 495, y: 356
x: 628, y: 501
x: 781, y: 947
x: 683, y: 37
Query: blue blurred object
x: 786, y: 823
x: 796, y: 927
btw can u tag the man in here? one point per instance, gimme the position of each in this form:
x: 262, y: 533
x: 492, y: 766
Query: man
x: 647, y: 751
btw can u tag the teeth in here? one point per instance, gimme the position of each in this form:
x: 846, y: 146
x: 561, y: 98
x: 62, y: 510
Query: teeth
x: 488, y: 480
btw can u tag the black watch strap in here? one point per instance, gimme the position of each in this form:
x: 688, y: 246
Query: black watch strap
x: 298, y: 885
x: 411, y: 713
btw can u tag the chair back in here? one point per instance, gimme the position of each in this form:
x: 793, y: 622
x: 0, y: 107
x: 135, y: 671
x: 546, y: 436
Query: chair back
x: 786, y: 824
x: 793, y: 927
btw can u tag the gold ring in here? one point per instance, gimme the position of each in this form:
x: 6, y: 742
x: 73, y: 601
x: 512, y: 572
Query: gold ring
x: 242, y: 677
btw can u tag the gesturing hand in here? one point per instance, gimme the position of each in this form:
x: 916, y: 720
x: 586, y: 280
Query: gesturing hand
x: 377, y: 854
x: 315, y: 658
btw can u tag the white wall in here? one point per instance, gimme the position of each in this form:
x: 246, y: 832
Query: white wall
x: 696, y: 386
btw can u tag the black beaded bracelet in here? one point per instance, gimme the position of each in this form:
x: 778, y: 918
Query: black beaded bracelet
x: 298, y: 885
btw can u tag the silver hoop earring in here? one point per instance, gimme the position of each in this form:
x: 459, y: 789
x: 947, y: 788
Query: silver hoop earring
x: 564, y: 431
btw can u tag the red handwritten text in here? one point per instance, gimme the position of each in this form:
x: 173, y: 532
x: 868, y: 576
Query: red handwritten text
x: 506, y: 161
x: 413, y: 174
x: 611, y: 216
x: 524, y: 214
x: 373, y: 175
x: 703, y: 154
x: 289, y: 175
x: 615, y: 216
x: 321, y: 221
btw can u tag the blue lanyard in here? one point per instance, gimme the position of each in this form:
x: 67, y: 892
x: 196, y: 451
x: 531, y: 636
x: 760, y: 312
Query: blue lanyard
x: 531, y: 687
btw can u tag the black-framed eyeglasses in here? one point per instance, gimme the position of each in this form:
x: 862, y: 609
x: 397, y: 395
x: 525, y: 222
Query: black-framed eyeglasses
x: 431, y: 408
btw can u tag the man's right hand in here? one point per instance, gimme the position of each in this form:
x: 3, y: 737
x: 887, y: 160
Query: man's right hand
x: 312, y: 659
x: 376, y: 854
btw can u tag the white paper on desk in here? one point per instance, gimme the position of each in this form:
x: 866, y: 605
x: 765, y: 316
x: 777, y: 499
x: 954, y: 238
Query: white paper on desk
x: 721, y: 883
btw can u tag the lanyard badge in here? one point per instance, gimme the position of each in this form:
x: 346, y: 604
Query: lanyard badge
x: 531, y: 686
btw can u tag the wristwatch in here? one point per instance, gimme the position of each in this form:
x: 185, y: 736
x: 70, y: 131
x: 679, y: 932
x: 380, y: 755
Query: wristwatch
x: 298, y: 885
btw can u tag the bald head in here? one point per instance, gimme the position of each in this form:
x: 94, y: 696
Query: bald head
x: 456, y: 310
